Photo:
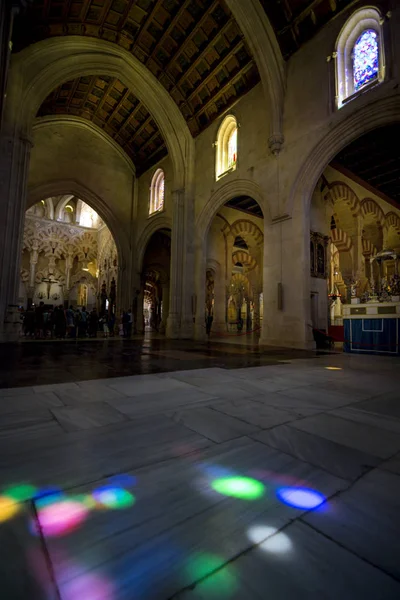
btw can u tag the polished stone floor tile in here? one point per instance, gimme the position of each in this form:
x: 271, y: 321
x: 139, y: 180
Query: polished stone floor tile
x: 24, y: 571
x: 87, y: 395
x: 213, y: 425
x: 299, y: 408
x: 229, y: 390
x: 96, y: 414
x: 393, y: 465
x: 28, y: 402
x: 337, y: 459
x: 59, y: 387
x: 160, y: 402
x: 353, y: 413
x: 386, y: 404
x: 150, y: 386
x: 254, y: 413
x: 295, y: 563
x: 82, y: 456
x: 151, y: 548
x: 365, y: 438
x: 365, y: 519
x: 313, y: 394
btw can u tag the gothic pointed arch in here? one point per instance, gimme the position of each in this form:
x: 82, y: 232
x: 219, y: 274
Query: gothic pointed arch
x: 40, y: 68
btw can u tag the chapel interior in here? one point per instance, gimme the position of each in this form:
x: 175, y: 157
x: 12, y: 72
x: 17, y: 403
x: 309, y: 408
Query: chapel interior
x: 199, y: 299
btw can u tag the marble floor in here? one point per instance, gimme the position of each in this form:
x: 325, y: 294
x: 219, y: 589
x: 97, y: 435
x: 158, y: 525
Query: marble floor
x: 46, y: 362
x: 275, y: 481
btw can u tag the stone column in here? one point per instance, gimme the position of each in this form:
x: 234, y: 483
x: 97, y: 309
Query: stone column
x: 8, y: 9
x: 287, y: 262
x: 200, y: 325
x: 165, y: 306
x: 33, y: 259
x: 177, y: 252
x: 219, y: 322
x: 256, y: 297
x: 14, y: 163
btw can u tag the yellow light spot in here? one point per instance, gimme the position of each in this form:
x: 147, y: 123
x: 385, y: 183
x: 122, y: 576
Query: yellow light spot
x: 334, y: 368
x: 8, y: 508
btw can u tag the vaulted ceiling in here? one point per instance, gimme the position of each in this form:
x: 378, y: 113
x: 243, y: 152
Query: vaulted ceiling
x: 297, y: 21
x: 194, y: 47
x: 109, y: 104
x: 375, y: 158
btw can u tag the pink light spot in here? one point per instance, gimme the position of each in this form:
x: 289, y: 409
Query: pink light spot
x: 61, y: 518
x: 88, y: 587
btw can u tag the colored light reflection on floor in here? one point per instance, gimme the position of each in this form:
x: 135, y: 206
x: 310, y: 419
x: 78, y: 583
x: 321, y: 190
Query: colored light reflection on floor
x: 334, y: 368
x: 269, y: 540
x: 113, y: 497
x: 239, y: 487
x: 8, y: 508
x: 123, y: 480
x: 215, y: 582
x: 300, y: 497
x: 20, y: 493
x: 62, y: 517
x: 88, y: 587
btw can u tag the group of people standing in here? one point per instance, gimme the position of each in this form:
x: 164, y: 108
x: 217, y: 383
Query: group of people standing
x: 42, y: 322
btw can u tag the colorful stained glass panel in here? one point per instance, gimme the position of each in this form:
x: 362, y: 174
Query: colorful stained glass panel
x: 366, y: 58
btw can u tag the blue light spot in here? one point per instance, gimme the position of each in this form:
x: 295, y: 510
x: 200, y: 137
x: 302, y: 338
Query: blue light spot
x: 300, y: 497
x: 47, y: 495
x: 123, y: 480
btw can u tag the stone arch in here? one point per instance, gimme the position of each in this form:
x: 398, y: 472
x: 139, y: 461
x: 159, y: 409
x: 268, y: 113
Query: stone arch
x: 368, y: 248
x: 244, y: 228
x: 63, y: 188
x: 154, y: 224
x: 339, y: 190
x: 40, y: 68
x: 260, y: 36
x: 232, y: 189
x: 392, y: 220
x: 341, y: 240
x: 372, y: 116
x: 61, y: 204
x: 243, y: 257
x: 370, y: 207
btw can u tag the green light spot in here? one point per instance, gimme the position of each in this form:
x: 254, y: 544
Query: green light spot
x: 203, y: 569
x: 239, y: 487
x: 20, y: 493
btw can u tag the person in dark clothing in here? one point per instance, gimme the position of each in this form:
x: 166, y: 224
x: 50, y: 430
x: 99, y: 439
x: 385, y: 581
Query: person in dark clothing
x: 29, y: 323
x: 60, y: 323
x: 82, y: 322
x: 39, y: 320
x: 125, y: 323
x: 93, y: 323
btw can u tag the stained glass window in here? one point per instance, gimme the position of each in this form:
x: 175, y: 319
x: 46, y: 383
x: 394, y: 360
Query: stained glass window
x: 366, y: 58
x: 232, y: 149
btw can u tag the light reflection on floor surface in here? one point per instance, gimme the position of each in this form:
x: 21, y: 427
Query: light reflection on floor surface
x: 293, y: 492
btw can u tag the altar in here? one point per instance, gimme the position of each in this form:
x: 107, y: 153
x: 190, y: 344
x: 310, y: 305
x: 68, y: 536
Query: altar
x: 372, y: 322
x: 372, y: 328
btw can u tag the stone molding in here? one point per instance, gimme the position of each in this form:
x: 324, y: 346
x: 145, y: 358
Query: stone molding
x: 348, y: 128
x: 260, y: 36
x: 236, y: 187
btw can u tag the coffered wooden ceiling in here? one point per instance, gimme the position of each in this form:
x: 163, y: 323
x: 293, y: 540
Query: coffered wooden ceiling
x: 375, y: 159
x: 193, y: 47
x: 108, y: 103
x: 297, y: 21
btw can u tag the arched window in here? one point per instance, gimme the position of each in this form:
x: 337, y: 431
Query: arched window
x: 360, y: 57
x: 157, y: 192
x: 226, y: 145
